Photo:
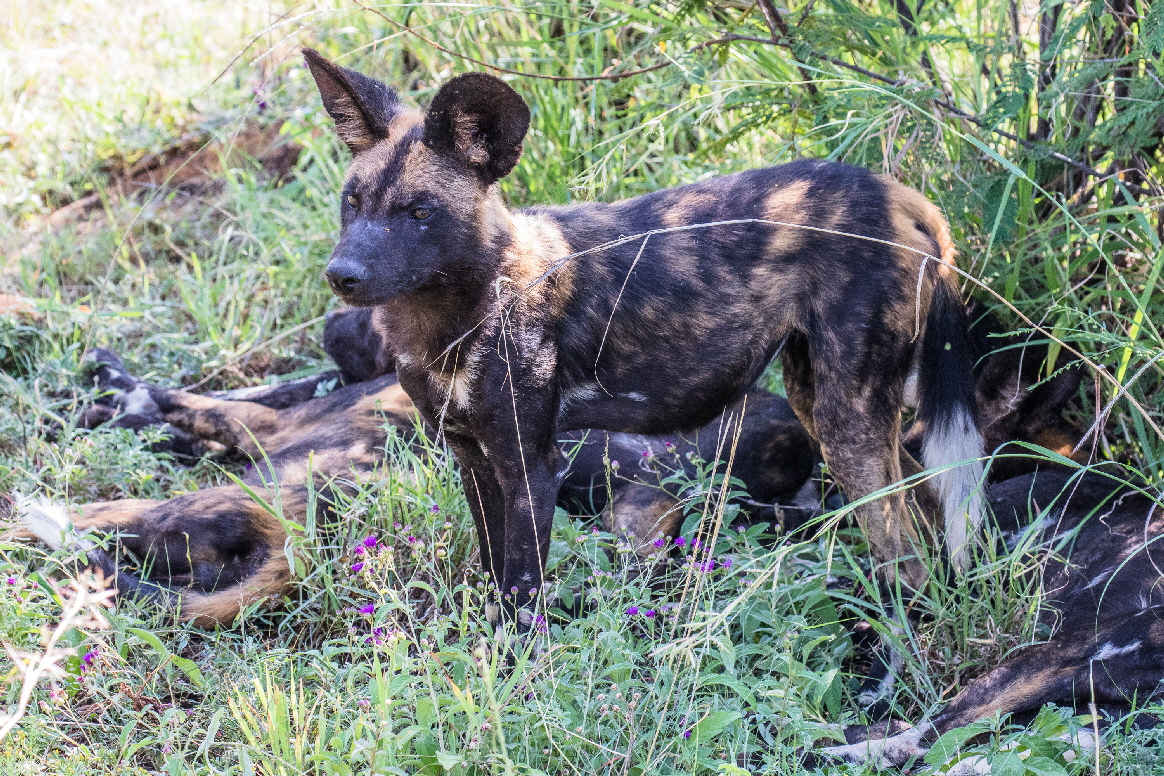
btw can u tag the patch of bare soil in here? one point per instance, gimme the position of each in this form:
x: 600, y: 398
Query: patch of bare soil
x: 192, y: 164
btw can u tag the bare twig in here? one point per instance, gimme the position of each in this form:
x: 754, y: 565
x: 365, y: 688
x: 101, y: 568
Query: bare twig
x: 83, y: 599
x: 779, y: 28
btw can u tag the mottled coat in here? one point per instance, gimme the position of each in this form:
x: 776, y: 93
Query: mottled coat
x: 649, y: 315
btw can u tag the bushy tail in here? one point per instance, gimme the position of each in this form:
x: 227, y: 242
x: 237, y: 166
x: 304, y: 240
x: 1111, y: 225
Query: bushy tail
x: 50, y: 522
x: 948, y: 411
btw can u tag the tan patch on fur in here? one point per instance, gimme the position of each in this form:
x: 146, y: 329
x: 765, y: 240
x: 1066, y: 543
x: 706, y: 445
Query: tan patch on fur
x: 222, y: 607
x: 457, y: 385
x: 644, y: 512
x: 787, y: 205
x: 538, y: 245
x: 402, y: 122
x: 919, y: 224
x: 684, y: 211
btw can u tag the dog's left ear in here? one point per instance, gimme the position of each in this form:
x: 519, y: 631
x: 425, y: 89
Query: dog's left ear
x: 480, y: 120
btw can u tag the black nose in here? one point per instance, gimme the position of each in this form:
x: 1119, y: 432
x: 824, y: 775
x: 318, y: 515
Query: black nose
x: 344, y: 277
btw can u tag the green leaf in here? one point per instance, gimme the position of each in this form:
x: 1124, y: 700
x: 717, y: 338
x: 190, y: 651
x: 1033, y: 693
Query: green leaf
x: 1044, y: 767
x: 188, y: 667
x: 448, y: 760
x: 712, y: 725
x: 191, y: 670
x: 950, y: 744
x: 1007, y: 764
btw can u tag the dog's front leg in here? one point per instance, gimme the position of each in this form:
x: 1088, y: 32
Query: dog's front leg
x: 513, y: 508
x: 530, y: 490
x: 487, y: 505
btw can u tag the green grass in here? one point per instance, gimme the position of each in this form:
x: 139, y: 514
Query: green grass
x: 218, y: 287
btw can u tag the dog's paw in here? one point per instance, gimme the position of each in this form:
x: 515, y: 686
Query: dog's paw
x: 106, y: 369
x: 119, y: 389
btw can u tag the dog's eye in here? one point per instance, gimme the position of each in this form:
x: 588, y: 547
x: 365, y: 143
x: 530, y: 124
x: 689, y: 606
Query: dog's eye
x: 420, y: 213
x: 353, y: 200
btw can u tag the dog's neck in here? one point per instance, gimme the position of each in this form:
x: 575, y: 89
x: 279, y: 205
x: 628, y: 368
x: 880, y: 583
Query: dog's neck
x: 520, y: 263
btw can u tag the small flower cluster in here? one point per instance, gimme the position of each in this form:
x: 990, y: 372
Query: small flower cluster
x: 706, y: 565
x: 615, y: 703
x: 382, y: 635
x: 648, y: 613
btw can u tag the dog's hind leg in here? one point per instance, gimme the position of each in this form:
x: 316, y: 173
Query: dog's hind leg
x: 231, y: 423
x: 856, y: 419
x: 237, y: 424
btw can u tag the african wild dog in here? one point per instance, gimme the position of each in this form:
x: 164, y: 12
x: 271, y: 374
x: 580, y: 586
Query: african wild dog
x: 648, y: 315
x: 212, y: 552
x: 1096, y: 543
x: 215, y: 551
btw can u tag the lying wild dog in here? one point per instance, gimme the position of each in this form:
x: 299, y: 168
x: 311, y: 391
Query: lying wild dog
x: 511, y: 327
x: 212, y: 552
x: 1103, y: 574
x: 215, y: 550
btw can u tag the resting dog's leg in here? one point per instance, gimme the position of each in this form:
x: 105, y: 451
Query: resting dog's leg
x: 237, y: 424
x: 1116, y: 662
x: 208, y: 553
x: 225, y: 422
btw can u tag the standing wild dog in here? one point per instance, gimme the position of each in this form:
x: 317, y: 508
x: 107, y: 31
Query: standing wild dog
x: 512, y: 326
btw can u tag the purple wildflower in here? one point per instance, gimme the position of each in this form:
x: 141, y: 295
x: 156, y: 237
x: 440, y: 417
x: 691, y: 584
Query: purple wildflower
x: 356, y: 567
x: 368, y: 609
x: 649, y: 613
x: 632, y: 610
x: 359, y: 550
x: 88, y: 658
x: 659, y: 543
x: 614, y: 465
x: 726, y: 563
x: 435, y: 508
x: 669, y: 445
x: 412, y: 540
x: 707, y: 567
x: 686, y: 734
x: 11, y: 580
x: 370, y: 541
x: 647, y: 453
x: 680, y: 541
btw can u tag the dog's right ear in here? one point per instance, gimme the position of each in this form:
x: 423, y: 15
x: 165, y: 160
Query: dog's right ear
x: 361, y: 107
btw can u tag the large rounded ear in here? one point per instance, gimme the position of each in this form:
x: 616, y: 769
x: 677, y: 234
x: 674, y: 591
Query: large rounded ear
x: 480, y: 120
x: 361, y: 107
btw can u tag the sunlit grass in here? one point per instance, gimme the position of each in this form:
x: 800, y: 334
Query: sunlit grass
x: 218, y: 285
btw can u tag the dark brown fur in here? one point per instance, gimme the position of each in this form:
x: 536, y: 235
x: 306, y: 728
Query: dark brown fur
x: 1101, y: 571
x: 511, y: 327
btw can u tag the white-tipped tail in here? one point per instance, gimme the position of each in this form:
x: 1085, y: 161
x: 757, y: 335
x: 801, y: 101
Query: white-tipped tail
x: 51, y: 524
x: 956, y: 447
